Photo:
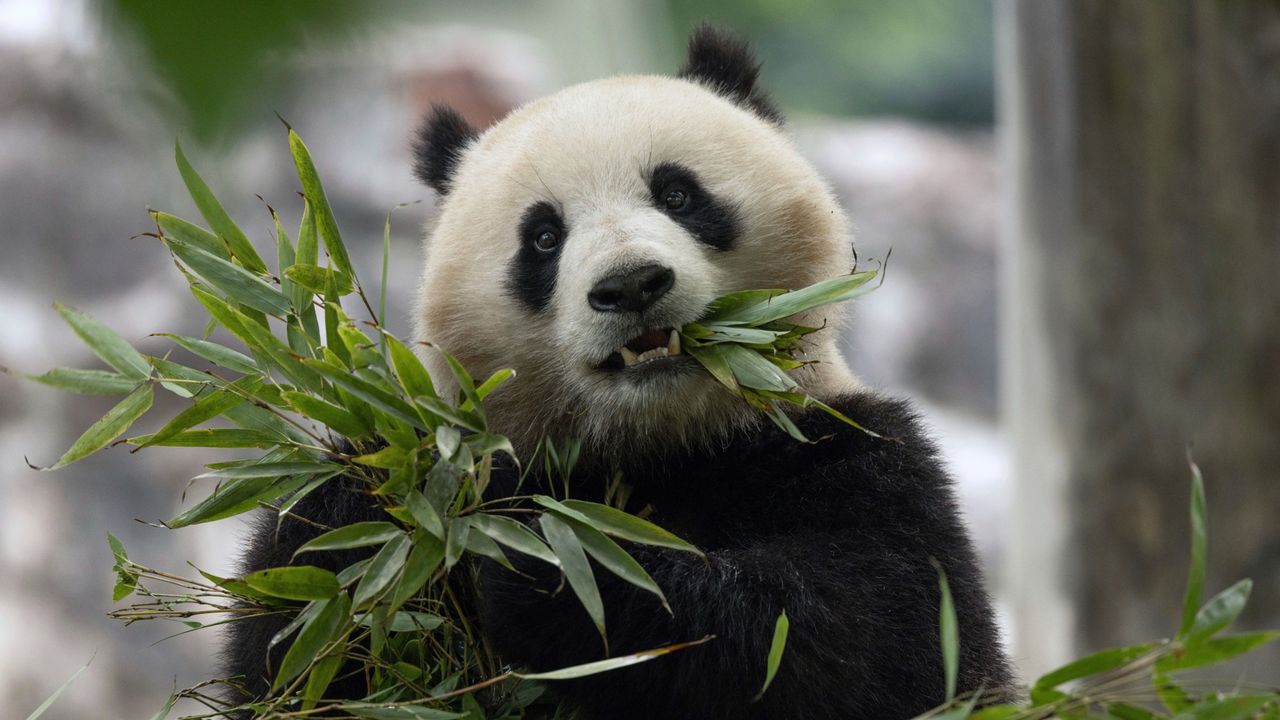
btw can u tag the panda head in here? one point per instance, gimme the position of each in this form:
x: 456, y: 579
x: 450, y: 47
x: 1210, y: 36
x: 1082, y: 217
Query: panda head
x: 577, y: 233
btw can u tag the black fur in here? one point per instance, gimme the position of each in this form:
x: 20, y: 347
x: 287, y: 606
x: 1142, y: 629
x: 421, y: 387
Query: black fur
x: 531, y: 279
x: 725, y: 63
x: 706, y: 217
x: 438, y: 147
x: 839, y: 534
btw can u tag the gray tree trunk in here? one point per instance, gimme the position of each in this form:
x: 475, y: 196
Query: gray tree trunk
x: 1141, y: 141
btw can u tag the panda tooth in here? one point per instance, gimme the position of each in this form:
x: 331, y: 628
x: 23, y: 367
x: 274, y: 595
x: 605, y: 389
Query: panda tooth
x: 673, y: 345
x: 628, y: 357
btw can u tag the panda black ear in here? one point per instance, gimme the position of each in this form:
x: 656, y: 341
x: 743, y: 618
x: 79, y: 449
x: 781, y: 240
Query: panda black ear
x: 438, y: 147
x: 725, y: 63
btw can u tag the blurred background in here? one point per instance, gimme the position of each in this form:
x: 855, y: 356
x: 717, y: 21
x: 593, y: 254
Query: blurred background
x: 1082, y: 198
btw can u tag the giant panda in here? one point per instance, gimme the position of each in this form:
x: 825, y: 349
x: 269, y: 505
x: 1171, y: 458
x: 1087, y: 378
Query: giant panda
x: 572, y: 238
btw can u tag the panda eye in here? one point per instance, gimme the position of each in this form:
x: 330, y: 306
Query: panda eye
x: 676, y: 199
x: 547, y: 240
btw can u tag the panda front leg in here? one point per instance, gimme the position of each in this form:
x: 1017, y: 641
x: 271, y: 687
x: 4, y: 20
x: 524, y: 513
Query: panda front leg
x: 863, y: 639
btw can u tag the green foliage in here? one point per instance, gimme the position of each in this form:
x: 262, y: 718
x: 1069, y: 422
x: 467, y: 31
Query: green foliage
x: 1138, y: 682
x: 308, y: 379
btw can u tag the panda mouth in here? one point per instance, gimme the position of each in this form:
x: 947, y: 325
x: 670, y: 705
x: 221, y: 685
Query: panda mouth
x: 653, y: 346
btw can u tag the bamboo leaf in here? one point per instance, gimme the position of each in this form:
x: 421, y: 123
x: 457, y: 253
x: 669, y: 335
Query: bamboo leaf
x: 339, y: 419
x: 383, y: 569
x: 1214, y: 650
x: 1099, y: 662
x: 238, y: 283
x: 361, y: 534
x: 777, y: 307
x: 594, y: 668
x: 950, y: 633
x: 1199, y: 543
x: 215, y: 353
x: 214, y: 438
x: 214, y: 214
x: 409, y: 370
x: 326, y: 224
x: 1219, y: 612
x: 615, y: 559
x: 175, y: 227
x: 90, y: 382
x: 296, y: 582
x: 577, y: 570
x: 612, y: 521
x: 776, y: 648
x: 206, y: 407
x: 316, y: 279
x: 112, y: 425
x: 514, y: 535
x: 106, y: 343
x: 334, y: 612
x: 424, y: 558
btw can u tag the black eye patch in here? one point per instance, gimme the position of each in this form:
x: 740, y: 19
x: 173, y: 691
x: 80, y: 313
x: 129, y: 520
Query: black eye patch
x: 531, y: 278
x: 676, y: 192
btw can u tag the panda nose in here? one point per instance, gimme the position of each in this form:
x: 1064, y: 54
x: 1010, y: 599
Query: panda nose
x: 631, y: 291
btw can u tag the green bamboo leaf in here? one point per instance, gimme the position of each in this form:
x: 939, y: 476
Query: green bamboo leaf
x: 1241, y: 707
x: 377, y: 397
x: 617, y: 523
x: 112, y: 425
x: 239, y: 284
x: 1219, y: 612
x: 715, y: 359
x: 296, y: 582
x: 447, y: 440
x: 260, y: 340
x: 90, y: 382
x: 450, y: 414
x: 338, y: 419
x: 726, y: 305
x: 402, y: 712
x: 237, y: 496
x: 307, y: 254
x: 1122, y: 711
x: 776, y: 648
x: 106, y: 343
x: 480, y: 544
x: 466, y: 384
x: 321, y: 676
x: 577, y: 570
x: 214, y: 214
x: 361, y: 534
x: 383, y: 569
x: 316, y: 279
x: 455, y: 540
x: 175, y: 227
x: 514, y: 535
x: 615, y: 559
x: 272, y: 469
x: 409, y: 370
x: 58, y: 693
x: 777, y: 307
x: 599, y: 666
x: 424, y: 558
x: 492, y: 383
x: 206, y: 407
x: 425, y: 514
x: 950, y: 633
x: 1214, y: 650
x: 388, y: 458
x: 215, y: 438
x: 1099, y: 662
x: 323, y: 627
x: 215, y: 353
x: 753, y: 371
x: 326, y: 224
x: 1199, y: 543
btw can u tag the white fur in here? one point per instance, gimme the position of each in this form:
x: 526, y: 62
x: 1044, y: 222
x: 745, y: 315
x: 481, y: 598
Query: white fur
x: 588, y: 150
